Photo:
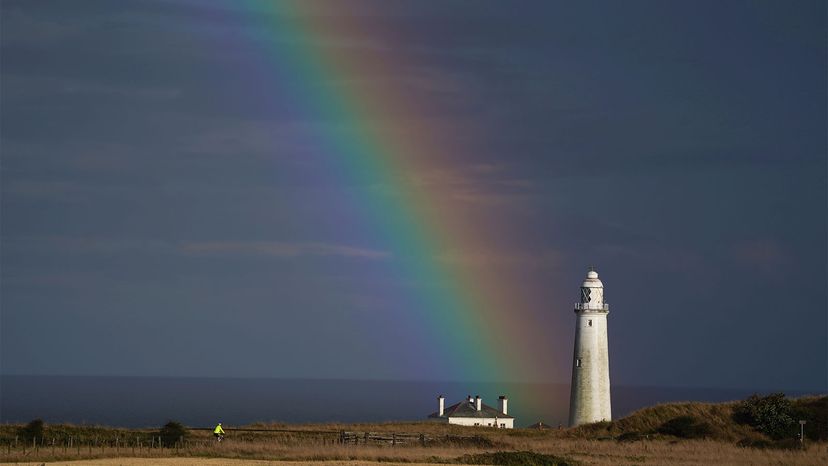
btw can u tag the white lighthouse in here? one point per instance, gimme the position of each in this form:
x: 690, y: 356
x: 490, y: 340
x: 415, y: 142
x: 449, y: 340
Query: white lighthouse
x: 589, y: 399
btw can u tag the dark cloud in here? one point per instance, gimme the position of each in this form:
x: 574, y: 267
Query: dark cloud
x: 158, y: 162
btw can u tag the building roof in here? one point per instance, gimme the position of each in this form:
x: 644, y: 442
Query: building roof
x: 466, y: 409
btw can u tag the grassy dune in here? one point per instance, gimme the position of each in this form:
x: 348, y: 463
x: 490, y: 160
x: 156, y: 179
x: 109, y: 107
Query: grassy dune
x: 718, y: 416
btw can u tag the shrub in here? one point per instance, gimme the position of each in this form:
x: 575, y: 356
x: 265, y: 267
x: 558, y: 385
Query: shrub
x: 685, y: 427
x: 787, y: 444
x: 772, y: 415
x: 631, y: 436
x: 754, y: 443
x: 475, y: 441
x: 32, y: 430
x: 171, y: 432
x: 813, y: 410
x: 515, y: 458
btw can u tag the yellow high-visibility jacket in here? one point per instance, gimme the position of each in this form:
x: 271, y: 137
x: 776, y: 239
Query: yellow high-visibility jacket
x: 218, y: 430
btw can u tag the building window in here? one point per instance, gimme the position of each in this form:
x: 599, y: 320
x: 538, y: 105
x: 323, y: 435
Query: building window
x: 578, y: 362
x: 477, y: 423
x: 503, y: 426
x: 590, y: 322
x: 489, y: 424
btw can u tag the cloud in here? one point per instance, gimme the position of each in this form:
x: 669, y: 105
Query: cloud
x: 280, y: 249
x: 25, y: 28
x: 481, y: 184
x: 488, y: 258
x: 84, y: 245
x: 272, y: 139
x: 285, y: 249
x: 767, y: 256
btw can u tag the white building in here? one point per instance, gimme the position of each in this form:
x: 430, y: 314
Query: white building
x: 473, y: 412
x: 589, y: 399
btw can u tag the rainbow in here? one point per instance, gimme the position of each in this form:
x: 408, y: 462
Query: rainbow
x: 470, y: 323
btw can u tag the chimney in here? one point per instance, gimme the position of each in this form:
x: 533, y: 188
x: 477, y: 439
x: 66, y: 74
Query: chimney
x: 441, y: 402
x: 502, y: 404
x: 477, y: 402
x: 471, y: 400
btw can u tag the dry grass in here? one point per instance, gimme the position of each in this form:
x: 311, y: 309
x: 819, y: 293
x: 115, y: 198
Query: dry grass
x: 585, y: 451
x: 648, y: 420
x: 318, y: 444
x: 210, y: 462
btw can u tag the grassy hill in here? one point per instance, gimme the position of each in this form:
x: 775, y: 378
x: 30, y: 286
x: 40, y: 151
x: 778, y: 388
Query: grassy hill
x: 716, y: 421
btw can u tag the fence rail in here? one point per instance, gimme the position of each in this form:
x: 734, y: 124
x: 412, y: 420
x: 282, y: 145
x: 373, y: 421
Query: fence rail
x: 387, y: 438
x: 591, y: 307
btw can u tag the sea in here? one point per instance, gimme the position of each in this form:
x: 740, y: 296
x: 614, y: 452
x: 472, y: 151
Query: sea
x: 202, y: 402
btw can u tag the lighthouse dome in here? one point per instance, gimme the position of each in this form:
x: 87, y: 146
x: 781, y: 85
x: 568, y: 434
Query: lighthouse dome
x: 592, y: 280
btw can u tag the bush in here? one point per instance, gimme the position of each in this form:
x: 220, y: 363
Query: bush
x: 813, y: 410
x: 685, y: 427
x: 632, y: 436
x: 475, y: 441
x: 172, y: 432
x: 32, y: 430
x: 772, y: 415
x: 754, y: 443
x: 515, y: 458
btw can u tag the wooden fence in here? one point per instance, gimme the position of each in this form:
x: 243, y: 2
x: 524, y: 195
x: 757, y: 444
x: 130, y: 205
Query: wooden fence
x: 384, y: 438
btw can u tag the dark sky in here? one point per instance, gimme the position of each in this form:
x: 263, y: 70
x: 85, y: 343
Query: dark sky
x: 164, y: 210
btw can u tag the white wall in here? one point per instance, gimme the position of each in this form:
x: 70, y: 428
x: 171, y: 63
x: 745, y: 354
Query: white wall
x: 590, y: 392
x: 481, y: 421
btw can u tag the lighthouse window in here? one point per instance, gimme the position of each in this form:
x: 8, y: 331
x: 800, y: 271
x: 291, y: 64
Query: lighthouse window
x: 578, y: 362
x: 590, y: 322
x: 585, y: 292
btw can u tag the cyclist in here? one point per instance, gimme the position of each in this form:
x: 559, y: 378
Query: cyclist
x: 218, y: 432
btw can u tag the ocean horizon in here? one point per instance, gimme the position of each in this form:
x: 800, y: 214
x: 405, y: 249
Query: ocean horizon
x: 129, y: 401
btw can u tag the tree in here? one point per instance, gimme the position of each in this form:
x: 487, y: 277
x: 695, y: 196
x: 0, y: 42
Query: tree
x: 171, y: 432
x: 772, y: 415
x: 32, y: 430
